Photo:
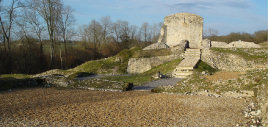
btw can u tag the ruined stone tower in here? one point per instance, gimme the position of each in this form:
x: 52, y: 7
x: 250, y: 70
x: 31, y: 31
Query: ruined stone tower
x: 182, y: 26
x: 182, y: 31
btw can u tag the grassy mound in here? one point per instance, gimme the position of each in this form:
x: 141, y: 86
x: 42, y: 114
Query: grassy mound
x: 116, y: 64
x: 139, y: 79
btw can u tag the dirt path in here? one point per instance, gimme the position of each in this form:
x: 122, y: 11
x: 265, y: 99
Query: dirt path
x: 51, y: 107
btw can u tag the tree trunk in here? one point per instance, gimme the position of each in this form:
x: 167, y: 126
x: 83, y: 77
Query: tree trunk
x: 52, y: 55
x: 61, y: 61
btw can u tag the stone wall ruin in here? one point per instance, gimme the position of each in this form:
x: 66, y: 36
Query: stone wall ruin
x: 182, y: 26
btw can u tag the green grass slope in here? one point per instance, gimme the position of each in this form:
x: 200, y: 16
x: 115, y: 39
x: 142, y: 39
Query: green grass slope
x: 116, y: 64
x: 139, y: 79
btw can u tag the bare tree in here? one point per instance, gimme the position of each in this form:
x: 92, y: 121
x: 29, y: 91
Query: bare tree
x: 155, y: 31
x: 35, y: 25
x: 210, y: 32
x: 84, y: 33
x: 116, y: 30
x: 133, y: 31
x: 1, y: 30
x: 145, y: 31
x: 124, y: 31
x: 7, y: 25
x: 66, y: 23
x: 106, y: 25
x: 95, y: 31
x: 50, y: 11
x: 22, y: 28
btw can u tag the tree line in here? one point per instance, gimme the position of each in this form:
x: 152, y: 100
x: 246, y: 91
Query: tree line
x: 38, y: 35
x: 257, y: 37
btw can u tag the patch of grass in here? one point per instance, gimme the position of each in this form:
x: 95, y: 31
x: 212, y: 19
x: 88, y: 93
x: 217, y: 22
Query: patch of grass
x: 97, y: 84
x: 146, y: 76
x: 203, y: 66
x: 115, y: 64
x: 58, y: 72
x: 16, y: 76
x: 151, y: 53
x: 96, y: 65
x: 252, y: 54
x: 128, y: 53
x: 248, y: 81
x: 165, y: 68
x: 118, y: 63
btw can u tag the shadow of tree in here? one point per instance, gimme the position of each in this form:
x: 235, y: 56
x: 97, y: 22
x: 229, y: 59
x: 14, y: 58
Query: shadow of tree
x: 13, y: 83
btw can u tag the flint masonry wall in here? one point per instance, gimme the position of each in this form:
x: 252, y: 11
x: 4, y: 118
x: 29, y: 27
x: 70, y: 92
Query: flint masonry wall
x: 182, y: 26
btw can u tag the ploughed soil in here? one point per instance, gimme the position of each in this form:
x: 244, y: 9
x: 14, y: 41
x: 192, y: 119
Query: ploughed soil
x: 52, y: 107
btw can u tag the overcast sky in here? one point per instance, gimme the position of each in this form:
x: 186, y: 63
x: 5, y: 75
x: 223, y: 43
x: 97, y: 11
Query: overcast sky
x: 223, y: 15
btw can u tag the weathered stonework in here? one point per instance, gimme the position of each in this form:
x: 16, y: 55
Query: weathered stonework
x: 230, y: 62
x: 140, y: 65
x: 234, y: 44
x: 179, y: 49
x: 182, y: 26
x: 156, y: 46
x: 206, y: 43
x: 218, y: 44
x: 242, y: 44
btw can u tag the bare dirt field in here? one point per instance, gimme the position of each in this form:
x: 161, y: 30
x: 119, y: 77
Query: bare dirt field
x: 52, y: 107
x: 223, y: 76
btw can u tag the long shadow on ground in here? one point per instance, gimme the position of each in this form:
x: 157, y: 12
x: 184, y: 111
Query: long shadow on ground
x: 13, y: 83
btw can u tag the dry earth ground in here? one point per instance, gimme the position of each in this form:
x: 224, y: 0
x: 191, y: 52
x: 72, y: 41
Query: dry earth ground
x: 223, y: 76
x: 52, y: 107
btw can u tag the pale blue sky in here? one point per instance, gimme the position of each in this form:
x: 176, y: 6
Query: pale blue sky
x: 224, y: 15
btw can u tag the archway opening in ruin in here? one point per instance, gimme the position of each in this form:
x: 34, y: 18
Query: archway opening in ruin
x: 187, y: 44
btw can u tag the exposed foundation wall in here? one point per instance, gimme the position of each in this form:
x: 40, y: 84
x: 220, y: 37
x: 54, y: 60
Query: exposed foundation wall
x: 230, y: 62
x: 140, y: 65
x: 156, y: 46
x: 242, y: 44
x: 218, y: 44
x: 234, y: 44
